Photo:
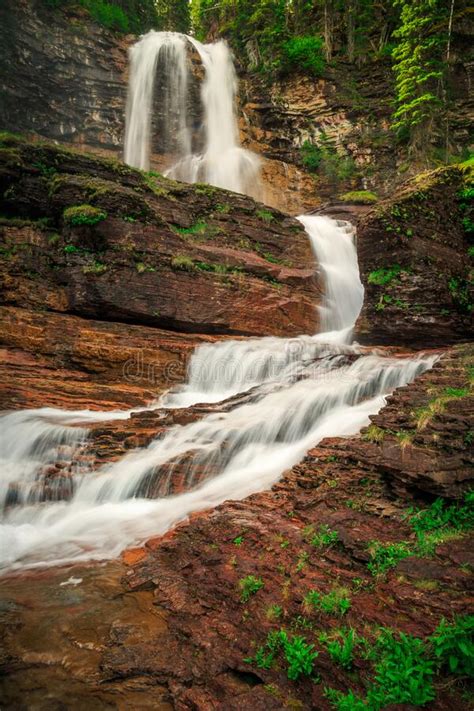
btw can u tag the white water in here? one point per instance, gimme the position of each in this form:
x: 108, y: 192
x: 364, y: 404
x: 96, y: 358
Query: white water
x: 223, y: 162
x: 298, y: 391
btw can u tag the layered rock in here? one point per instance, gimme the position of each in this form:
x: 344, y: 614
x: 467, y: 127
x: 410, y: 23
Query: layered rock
x: 94, y: 238
x: 416, y: 264
x: 62, y: 76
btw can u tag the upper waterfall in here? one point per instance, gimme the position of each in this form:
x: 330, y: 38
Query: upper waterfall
x: 220, y: 160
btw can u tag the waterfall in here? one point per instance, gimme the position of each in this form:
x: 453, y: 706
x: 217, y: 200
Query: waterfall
x: 291, y: 393
x: 222, y: 161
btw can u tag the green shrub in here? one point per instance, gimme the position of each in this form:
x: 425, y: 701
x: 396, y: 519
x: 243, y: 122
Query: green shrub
x: 183, y: 263
x: 110, y: 16
x: 341, y: 649
x: 83, y: 215
x: 324, y: 537
x: 453, y: 645
x: 304, y: 54
x: 345, y: 702
x: 311, y: 156
x: 298, y: 654
x: 385, y: 275
x: 249, y: 586
x: 384, y: 556
x: 441, y: 515
x: 403, y: 672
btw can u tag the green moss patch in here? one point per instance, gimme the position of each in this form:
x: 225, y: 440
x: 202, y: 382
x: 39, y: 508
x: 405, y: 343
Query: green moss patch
x: 83, y: 215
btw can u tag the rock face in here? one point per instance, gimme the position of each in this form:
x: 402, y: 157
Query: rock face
x: 416, y: 265
x: 421, y: 441
x: 94, y: 238
x: 62, y: 76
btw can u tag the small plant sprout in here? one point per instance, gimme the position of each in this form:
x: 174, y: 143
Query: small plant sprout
x: 249, y: 586
x: 297, y: 653
x: 324, y: 537
x: 337, y: 602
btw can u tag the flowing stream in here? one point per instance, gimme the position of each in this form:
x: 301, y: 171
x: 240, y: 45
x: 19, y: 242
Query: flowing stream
x: 298, y: 391
x: 221, y: 161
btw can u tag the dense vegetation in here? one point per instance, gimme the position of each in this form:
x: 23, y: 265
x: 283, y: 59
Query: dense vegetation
x: 275, y: 37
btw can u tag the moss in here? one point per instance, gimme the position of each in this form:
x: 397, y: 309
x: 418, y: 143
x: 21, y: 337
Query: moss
x: 83, y: 215
x: 95, y: 268
x: 360, y: 197
x: 141, y: 267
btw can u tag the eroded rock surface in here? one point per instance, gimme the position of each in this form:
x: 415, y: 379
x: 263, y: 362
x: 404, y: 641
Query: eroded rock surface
x: 189, y: 258
x: 416, y: 265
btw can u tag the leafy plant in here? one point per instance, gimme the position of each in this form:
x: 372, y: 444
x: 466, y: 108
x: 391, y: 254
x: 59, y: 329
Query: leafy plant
x: 341, y: 648
x: 324, y: 537
x: 385, y: 275
x: 249, y: 586
x: 311, y: 156
x: 304, y: 54
x: 374, y: 434
x: 453, y: 645
x: 183, y: 263
x: 384, y: 556
x: 336, y: 602
x: 360, y: 197
x: 298, y: 654
x: 403, y: 671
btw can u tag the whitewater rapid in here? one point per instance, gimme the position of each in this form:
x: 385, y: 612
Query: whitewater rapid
x: 298, y: 391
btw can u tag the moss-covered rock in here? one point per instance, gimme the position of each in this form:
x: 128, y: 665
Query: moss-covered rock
x: 110, y: 242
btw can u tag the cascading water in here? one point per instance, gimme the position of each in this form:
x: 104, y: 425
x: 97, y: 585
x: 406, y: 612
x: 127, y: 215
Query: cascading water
x: 297, y: 392
x: 222, y: 162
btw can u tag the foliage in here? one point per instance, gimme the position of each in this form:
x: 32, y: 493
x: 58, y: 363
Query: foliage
x: 341, y: 648
x: 304, y: 54
x: 182, y: 262
x: 418, y: 66
x: 310, y: 156
x: 385, y: 275
x: 441, y: 515
x: 384, y: 556
x: 374, y: 434
x: 324, y: 537
x: 83, y: 215
x: 336, y: 602
x: 403, y: 672
x: 249, y: 586
x: 298, y: 654
x: 460, y: 293
x: 453, y: 645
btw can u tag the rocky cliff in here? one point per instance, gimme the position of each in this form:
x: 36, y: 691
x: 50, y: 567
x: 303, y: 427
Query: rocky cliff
x: 94, y: 238
x: 415, y: 257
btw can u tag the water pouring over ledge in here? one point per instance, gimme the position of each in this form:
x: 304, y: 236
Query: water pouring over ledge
x: 220, y: 161
x: 298, y: 391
